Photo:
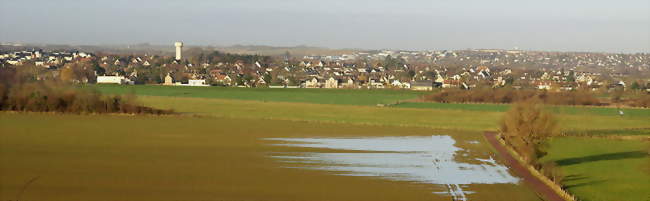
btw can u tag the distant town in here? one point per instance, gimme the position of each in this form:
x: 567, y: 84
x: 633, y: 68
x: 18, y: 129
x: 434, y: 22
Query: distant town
x: 367, y: 69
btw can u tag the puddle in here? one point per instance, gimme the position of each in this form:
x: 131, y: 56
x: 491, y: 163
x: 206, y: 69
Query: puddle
x: 422, y: 159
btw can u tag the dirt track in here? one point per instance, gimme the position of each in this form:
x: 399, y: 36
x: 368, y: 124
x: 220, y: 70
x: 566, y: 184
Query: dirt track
x: 536, y: 184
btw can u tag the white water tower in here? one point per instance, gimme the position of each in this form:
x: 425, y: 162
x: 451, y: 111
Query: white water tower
x: 179, y: 49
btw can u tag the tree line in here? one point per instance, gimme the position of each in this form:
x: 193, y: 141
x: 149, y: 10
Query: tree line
x: 510, y: 95
x: 21, y: 92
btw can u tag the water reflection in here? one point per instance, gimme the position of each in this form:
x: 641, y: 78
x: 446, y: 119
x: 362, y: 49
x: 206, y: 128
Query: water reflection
x: 417, y: 159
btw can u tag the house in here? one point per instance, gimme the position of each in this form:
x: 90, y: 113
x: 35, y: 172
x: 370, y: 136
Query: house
x: 260, y: 81
x: 449, y: 83
x: 422, y: 85
x: 320, y: 64
x: 375, y: 84
x: 312, y: 83
x: 14, y: 62
x: 117, y: 62
x: 331, y: 83
x: 305, y: 64
x: 168, y: 80
x: 348, y: 84
x: 396, y: 83
x: 223, y: 79
x: 544, y: 85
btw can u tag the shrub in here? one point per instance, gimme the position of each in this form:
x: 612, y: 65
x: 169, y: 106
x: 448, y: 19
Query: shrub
x: 551, y: 171
x: 642, y: 100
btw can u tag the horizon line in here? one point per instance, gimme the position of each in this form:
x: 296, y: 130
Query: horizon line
x: 171, y: 46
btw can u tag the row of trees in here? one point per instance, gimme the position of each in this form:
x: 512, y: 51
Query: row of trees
x: 509, y: 95
x: 618, y: 97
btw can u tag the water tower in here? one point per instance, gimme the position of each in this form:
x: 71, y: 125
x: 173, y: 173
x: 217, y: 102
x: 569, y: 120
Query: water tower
x: 179, y: 49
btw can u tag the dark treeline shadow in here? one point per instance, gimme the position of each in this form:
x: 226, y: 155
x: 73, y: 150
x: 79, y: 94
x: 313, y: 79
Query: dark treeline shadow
x: 602, y: 157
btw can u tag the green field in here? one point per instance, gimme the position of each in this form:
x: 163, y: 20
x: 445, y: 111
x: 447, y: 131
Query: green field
x: 213, y: 149
x: 320, y: 96
x: 371, y: 115
x: 603, y: 169
x: 358, y: 107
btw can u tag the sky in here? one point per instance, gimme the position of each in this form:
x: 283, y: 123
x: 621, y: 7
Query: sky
x: 551, y: 25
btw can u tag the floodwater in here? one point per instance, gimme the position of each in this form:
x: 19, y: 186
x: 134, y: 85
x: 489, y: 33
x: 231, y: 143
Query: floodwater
x: 422, y: 159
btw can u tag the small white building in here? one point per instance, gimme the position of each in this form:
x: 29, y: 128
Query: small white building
x: 398, y: 84
x: 197, y: 83
x: 113, y: 80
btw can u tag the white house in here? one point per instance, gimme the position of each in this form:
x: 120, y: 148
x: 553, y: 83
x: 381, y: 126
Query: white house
x: 168, y: 80
x: 313, y: 83
x: 331, y: 83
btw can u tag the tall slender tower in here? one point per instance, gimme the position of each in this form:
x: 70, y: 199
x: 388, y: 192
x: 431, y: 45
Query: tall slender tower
x: 179, y: 49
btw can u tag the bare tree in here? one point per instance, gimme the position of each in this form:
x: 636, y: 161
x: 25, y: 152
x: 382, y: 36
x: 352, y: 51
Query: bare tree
x: 527, y: 128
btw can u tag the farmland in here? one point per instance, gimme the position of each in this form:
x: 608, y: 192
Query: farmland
x: 112, y: 157
x: 603, y: 169
x: 319, y: 96
x: 214, y: 148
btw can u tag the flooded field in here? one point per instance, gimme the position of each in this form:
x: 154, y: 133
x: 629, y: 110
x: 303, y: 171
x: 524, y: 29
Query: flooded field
x: 169, y: 158
x: 420, y: 159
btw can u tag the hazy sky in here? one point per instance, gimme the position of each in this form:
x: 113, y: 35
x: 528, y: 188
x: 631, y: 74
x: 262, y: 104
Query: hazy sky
x: 565, y: 25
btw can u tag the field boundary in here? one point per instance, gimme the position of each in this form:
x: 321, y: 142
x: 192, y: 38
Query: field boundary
x: 585, y: 134
x: 541, y: 184
x: 488, y: 103
x: 613, y: 137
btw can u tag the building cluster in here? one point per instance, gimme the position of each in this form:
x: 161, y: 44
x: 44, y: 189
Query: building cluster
x: 41, y: 58
x: 416, y: 70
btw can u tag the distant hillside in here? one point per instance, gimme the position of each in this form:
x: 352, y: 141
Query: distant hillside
x: 146, y: 48
x: 110, y: 49
x: 278, y: 51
